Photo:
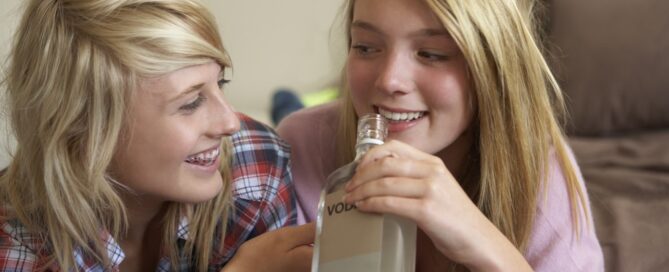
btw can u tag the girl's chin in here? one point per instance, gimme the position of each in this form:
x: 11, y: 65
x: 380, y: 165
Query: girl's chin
x: 198, y: 189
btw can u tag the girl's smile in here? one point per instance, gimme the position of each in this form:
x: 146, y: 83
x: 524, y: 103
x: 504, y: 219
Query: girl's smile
x: 400, y: 119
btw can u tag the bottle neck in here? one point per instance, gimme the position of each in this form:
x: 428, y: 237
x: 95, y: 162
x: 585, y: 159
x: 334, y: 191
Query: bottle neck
x: 364, y: 145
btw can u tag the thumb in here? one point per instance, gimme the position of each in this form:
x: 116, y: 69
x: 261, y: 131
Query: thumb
x: 299, y: 235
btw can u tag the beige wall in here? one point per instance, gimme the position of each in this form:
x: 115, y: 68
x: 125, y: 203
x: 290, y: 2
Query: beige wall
x: 272, y: 43
x: 277, y: 43
x: 8, y: 19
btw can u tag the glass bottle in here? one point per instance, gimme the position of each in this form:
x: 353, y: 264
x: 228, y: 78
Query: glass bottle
x: 350, y: 240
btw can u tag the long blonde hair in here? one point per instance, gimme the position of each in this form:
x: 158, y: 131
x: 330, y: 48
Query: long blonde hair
x: 72, y: 71
x: 519, y: 105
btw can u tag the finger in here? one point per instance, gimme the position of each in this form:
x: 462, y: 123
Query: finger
x: 395, y: 148
x: 396, y: 167
x: 410, y: 208
x: 298, y: 235
x: 390, y: 186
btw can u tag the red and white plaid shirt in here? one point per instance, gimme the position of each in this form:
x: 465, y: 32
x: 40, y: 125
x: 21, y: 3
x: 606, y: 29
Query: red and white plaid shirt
x: 264, y: 199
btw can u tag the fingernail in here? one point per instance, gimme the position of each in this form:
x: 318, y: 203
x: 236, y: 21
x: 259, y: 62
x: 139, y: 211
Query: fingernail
x: 344, y: 197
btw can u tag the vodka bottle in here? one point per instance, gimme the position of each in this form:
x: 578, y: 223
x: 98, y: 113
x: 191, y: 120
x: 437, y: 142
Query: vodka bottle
x: 350, y: 240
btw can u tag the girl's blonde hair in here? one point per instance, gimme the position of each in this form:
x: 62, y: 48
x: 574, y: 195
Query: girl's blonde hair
x: 519, y: 104
x: 73, y: 67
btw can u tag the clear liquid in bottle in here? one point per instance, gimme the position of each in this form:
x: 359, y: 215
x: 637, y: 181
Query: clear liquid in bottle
x: 350, y: 240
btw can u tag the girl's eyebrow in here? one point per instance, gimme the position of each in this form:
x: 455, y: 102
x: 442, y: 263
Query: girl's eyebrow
x: 432, y: 32
x: 429, y: 32
x: 190, y: 89
x: 366, y: 26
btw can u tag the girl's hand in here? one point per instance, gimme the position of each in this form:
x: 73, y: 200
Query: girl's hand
x: 284, y: 249
x: 398, y: 179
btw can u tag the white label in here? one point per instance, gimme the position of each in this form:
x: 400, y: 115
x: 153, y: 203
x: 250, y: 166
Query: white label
x: 350, y: 240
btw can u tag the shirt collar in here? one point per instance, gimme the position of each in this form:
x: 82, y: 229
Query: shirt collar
x: 114, y: 251
x: 182, y: 229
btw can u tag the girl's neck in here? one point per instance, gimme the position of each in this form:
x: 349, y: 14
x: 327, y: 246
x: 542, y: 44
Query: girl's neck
x: 142, y: 241
x: 144, y: 214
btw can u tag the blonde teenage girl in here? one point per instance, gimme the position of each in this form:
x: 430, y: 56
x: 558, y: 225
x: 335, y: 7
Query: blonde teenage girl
x: 476, y: 155
x: 128, y: 157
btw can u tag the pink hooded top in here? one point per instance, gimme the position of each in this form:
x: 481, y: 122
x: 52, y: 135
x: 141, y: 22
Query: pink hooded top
x: 553, y: 245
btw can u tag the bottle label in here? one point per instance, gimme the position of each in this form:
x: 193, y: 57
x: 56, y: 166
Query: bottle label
x: 350, y: 240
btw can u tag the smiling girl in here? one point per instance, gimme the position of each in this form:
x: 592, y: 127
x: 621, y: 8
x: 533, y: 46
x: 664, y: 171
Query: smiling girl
x: 128, y: 156
x: 476, y: 156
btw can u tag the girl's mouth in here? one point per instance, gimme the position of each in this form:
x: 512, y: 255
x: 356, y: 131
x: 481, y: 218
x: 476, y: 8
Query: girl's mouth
x: 404, y: 116
x: 204, y: 158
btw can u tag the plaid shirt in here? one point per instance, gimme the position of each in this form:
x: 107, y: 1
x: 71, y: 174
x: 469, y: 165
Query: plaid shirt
x: 264, y: 199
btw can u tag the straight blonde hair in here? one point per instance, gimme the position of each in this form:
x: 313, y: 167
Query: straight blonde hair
x: 73, y: 68
x: 519, y: 105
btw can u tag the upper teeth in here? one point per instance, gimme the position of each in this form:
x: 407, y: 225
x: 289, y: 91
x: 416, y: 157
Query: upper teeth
x: 204, y: 156
x: 400, y: 116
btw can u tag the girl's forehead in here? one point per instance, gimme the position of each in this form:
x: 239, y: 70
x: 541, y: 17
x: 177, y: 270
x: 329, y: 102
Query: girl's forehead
x: 396, y: 13
x: 181, y: 79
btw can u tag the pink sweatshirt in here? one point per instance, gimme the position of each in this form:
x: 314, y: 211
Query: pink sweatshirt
x: 553, y: 245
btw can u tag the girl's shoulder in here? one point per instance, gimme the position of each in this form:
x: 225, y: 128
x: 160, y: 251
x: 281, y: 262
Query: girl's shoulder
x: 311, y: 119
x: 19, y: 247
x: 260, y: 160
x: 557, y: 243
x: 554, y: 197
x: 311, y: 130
x: 311, y: 133
x: 254, y: 135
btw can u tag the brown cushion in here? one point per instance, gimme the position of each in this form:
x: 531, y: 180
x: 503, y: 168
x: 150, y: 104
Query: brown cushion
x: 612, y: 62
x: 627, y: 179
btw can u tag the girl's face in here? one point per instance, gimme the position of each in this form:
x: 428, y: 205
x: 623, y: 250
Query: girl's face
x: 171, y: 145
x: 403, y: 64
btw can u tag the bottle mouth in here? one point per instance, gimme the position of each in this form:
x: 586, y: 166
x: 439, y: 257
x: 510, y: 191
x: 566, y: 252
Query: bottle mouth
x: 372, y: 127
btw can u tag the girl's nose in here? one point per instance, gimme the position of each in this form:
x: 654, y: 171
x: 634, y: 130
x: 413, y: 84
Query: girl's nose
x: 224, y: 120
x: 394, y: 76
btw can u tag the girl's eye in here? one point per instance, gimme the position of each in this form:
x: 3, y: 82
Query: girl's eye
x: 222, y: 82
x: 192, y: 106
x: 363, y: 50
x: 431, y: 56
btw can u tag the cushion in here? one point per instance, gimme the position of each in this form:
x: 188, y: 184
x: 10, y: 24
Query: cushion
x: 612, y: 59
x: 627, y: 179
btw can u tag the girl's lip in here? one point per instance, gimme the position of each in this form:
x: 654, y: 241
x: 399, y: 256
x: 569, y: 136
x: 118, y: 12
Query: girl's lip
x: 206, y: 150
x: 377, y: 107
x: 208, y: 170
x: 400, y: 126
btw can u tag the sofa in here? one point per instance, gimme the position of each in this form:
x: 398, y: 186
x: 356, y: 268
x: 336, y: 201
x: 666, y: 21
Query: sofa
x: 611, y: 58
